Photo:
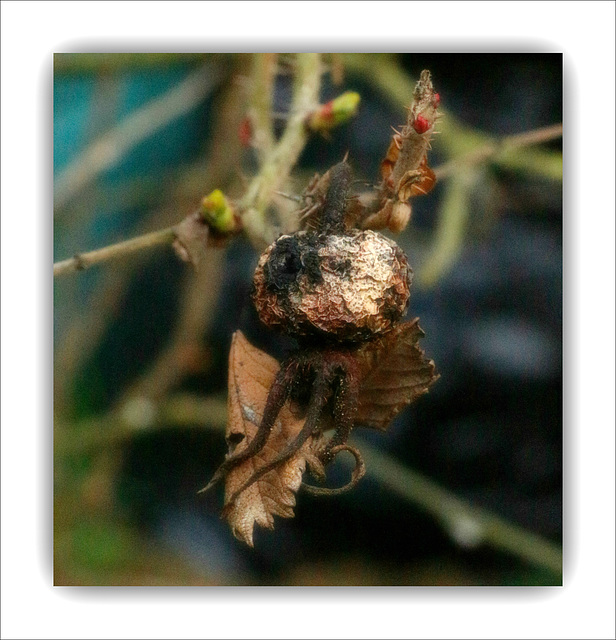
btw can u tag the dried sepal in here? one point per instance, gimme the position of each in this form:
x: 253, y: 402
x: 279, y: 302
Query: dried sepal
x: 396, y: 373
x: 394, y: 215
x: 313, y: 200
x: 251, y: 375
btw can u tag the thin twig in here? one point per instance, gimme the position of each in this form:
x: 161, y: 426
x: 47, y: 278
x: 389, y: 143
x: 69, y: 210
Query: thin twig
x: 536, y: 136
x: 83, y: 261
x: 277, y: 166
x: 493, y: 150
x: 259, y: 193
x: 467, y: 524
x: 110, y: 148
x: 184, y: 350
x: 263, y: 76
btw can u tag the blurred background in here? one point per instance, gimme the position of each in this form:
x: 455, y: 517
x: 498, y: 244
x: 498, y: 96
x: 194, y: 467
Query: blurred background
x: 466, y: 486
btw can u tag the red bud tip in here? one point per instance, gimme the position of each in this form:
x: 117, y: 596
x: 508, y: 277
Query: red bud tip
x: 245, y: 132
x: 421, y: 124
x: 327, y: 110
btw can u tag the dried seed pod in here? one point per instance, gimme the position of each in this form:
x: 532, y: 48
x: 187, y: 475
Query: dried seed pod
x: 349, y: 286
x: 329, y: 281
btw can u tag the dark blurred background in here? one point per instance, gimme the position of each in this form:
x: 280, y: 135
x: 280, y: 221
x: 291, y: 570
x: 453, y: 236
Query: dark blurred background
x: 141, y: 344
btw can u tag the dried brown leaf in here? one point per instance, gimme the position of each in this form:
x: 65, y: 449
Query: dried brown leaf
x: 251, y: 374
x: 396, y: 373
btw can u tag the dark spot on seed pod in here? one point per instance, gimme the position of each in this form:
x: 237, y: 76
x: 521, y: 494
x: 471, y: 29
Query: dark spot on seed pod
x: 341, y: 267
x: 291, y: 258
x: 311, y: 261
x: 389, y: 310
x: 283, y: 266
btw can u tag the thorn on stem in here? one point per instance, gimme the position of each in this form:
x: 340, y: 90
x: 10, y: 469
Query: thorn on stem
x: 80, y: 264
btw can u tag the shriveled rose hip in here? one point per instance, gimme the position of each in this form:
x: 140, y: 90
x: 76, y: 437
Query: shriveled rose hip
x: 349, y: 286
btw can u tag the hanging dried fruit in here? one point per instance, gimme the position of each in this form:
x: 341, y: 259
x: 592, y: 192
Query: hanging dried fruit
x: 341, y: 292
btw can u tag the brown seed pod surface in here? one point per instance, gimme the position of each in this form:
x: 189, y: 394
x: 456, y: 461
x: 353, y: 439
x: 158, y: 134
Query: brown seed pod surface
x: 350, y: 286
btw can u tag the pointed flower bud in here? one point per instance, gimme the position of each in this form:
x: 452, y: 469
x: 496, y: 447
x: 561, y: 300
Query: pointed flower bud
x: 335, y: 112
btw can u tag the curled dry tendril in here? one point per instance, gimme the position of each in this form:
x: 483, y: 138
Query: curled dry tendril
x: 357, y: 474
